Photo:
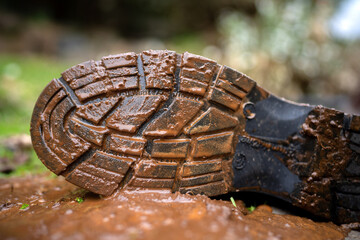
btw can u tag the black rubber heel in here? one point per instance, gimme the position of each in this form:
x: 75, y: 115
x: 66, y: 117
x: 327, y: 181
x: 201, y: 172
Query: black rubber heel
x: 347, y: 192
x: 308, y: 156
x: 259, y: 157
x: 258, y: 168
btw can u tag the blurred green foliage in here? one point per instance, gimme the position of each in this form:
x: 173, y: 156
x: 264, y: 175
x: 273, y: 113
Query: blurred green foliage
x: 288, y: 49
x: 21, y: 80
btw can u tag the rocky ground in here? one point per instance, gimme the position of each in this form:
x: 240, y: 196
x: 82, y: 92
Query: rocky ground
x: 44, y: 207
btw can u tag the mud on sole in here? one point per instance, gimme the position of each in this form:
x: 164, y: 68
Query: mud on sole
x: 182, y: 122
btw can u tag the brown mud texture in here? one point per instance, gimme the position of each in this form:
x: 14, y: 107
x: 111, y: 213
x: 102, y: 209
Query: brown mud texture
x: 40, y: 207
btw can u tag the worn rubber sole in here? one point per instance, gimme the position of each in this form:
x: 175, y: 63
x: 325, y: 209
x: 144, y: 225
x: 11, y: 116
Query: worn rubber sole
x: 161, y: 120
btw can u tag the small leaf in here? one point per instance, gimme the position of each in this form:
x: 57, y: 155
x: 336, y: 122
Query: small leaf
x: 233, y: 201
x: 79, y: 199
x: 24, y: 206
x: 251, y: 209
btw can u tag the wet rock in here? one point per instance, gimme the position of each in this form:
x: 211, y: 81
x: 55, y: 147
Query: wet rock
x: 14, y: 151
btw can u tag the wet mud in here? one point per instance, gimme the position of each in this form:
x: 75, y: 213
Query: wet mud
x: 41, y: 207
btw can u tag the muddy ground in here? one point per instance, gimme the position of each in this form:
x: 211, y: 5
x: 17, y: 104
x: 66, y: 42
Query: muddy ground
x: 43, y: 207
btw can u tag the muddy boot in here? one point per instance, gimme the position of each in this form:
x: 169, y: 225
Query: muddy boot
x: 182, y: 122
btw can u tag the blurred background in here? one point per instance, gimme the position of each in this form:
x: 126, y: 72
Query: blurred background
x: 303, y: 50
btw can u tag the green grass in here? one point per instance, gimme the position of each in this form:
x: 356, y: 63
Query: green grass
x: 233, y: 201
x: 79, y: 199
x: 251, y: 209
x: 21, y: 81
x: 22, y: 78
x: 24, y: 206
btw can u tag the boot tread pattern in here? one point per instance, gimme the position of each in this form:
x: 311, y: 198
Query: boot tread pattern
x: 155, y: 120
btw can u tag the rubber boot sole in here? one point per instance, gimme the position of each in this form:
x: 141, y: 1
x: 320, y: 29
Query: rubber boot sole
x: 182, y: 122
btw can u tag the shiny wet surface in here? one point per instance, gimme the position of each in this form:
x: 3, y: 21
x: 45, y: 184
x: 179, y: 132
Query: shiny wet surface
x: 54, y: 213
